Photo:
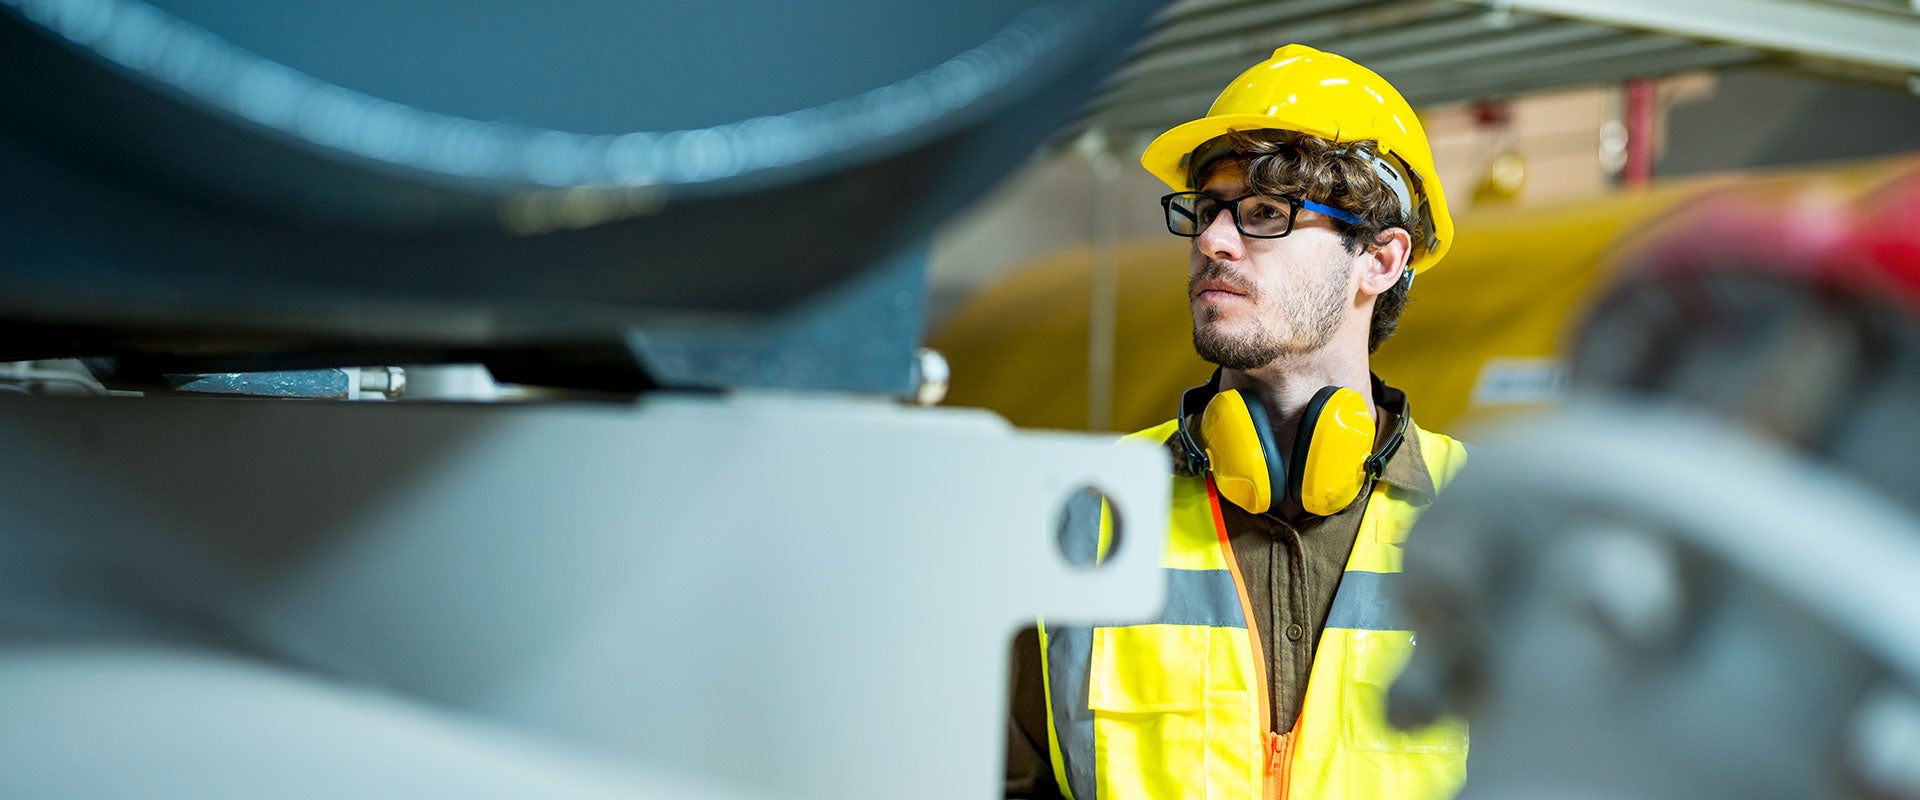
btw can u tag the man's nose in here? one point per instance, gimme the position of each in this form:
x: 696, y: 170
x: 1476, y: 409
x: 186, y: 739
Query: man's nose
x: 1221, y: 239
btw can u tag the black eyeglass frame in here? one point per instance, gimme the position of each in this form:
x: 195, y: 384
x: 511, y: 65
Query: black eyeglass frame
x: 1294, y: 204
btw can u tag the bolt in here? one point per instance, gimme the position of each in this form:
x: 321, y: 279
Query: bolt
x: 933, y: 375
x: 389, y: 382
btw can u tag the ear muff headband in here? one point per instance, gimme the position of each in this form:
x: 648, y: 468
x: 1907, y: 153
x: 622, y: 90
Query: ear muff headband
x: 1378, y: 461
x: 1192, y: 401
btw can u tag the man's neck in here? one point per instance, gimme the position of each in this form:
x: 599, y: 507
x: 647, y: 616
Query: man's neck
x: 1285, y: 386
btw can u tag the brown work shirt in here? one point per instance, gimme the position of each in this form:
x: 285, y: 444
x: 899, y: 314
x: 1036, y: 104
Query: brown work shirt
x: 1291, y: 564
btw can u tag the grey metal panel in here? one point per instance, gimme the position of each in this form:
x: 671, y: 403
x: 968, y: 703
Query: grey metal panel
x: 133, y: 722
x: 806, y: 596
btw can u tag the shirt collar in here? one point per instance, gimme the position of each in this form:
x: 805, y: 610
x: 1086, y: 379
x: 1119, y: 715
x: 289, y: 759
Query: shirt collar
x: 1407, y: 469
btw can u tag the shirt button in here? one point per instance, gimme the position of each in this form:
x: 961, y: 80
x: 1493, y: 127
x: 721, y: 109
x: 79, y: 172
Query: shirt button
x: 1294, y: 632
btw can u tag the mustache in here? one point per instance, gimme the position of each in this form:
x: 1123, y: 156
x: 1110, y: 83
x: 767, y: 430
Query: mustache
x: 1217, y: 271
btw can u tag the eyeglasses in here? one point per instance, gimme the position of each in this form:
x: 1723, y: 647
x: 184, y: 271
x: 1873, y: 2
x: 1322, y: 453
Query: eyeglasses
x: 1256, y: 216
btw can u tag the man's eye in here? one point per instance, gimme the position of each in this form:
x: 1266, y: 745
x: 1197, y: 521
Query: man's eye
x: 1266, y: 211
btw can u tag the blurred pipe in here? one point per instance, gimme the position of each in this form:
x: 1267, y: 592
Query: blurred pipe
x: 1104, y: 299
x: 1649, y: 459
x: 1638, y: 173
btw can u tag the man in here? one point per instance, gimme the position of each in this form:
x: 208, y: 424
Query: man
x: 1310, y: 196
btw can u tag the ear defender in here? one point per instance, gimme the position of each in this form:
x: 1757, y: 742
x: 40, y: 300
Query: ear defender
x: 1331, y: 453
x: 1333, y: 457
x: 1246, y: 464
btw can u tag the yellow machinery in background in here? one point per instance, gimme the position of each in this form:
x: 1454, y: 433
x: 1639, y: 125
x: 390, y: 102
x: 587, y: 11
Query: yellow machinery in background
x: 1481, y: 337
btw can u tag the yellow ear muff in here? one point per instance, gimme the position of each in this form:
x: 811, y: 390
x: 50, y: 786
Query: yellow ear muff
x: 1240, y: 450
x: 1331, y: 451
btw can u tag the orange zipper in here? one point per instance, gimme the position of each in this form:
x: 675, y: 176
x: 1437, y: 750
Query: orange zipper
x: 1278, y: 747
x: 1279, y: 764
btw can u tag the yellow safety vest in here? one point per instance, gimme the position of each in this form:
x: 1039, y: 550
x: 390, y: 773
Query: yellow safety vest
x: 1177, y: 707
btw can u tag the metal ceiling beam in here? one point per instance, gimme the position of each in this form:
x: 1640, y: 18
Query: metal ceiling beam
x: 1640, y: 55
x: 1844, y: 32
x: 1506, y: 51
x: 1444, y: 23
x: 1547, y: 37
x: 1253, y: 40
x: 1508, y: 84
x: 1427, y: 36
x: 1449, y: 50
x: 1627, y: 56
x: 1187, y: 24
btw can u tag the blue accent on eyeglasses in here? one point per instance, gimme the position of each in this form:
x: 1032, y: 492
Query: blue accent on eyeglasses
x: 1343, y: 216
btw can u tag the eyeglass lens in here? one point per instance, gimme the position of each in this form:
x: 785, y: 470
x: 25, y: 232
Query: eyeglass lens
x: 1188, y: 213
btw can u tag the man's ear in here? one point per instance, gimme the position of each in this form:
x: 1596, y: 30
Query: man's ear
x: 1382, y: 263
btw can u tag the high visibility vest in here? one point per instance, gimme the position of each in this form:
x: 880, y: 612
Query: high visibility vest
x: 1178, y: 707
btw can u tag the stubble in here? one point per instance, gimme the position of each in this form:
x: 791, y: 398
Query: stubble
x: 1298, y: 320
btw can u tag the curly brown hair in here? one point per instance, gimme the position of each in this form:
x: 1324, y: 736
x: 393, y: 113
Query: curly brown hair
x: 1339, y: 174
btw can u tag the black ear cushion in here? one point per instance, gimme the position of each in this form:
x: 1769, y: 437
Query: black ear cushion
x: 1303, y: 438
x: 1277, y: 471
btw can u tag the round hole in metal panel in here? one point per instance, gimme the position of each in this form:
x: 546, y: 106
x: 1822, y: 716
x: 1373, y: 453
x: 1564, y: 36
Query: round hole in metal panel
x: 1087, y: 529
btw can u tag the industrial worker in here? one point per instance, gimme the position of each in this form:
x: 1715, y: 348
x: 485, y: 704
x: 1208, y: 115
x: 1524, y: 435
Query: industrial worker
x: 1309, y: 192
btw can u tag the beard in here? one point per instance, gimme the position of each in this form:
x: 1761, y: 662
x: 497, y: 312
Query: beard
x: 1294, y: 322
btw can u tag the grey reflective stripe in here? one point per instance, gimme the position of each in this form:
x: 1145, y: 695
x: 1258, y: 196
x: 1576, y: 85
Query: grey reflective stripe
x: 1363, y: 602
x: 1069, y: 660
x: 1202, y: 597
x: 1080, y: 531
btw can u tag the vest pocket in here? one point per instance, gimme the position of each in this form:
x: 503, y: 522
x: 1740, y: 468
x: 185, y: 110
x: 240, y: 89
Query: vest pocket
x: 1142, y: 669
x: 1174, y: 716
x: 1148, y: 694
x: 1374, y: 659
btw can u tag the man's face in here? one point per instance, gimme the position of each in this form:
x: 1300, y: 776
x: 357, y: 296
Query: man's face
x: 1257, y: 300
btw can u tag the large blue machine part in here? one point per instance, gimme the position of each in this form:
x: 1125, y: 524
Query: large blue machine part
x: 214, y: 185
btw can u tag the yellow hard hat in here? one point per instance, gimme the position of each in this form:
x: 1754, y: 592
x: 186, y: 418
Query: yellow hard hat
x: 1306, y: 90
